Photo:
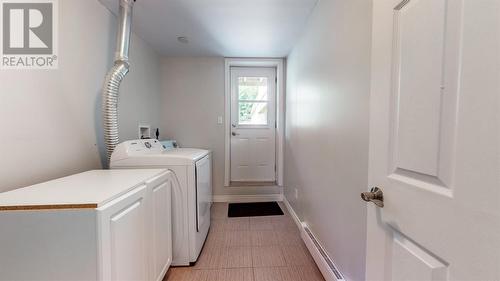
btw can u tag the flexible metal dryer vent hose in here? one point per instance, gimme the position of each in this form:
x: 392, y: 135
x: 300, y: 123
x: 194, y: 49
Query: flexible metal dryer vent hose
x: 115, y: 76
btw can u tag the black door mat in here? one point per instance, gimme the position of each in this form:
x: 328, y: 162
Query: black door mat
x: 254, y: 209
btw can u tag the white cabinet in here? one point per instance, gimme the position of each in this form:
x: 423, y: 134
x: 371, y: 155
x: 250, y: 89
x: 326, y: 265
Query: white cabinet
x: 116, y: 234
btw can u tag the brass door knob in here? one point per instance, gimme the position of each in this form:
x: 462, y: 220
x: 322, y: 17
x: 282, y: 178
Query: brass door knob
x: 375, y: 195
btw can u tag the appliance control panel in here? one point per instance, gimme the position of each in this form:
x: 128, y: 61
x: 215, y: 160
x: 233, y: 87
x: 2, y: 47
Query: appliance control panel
x: 143, y: 146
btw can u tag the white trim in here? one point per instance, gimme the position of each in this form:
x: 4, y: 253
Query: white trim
x: 292, y: 213
x: 247, y: 198
x: 227, y: 123
x: 280, y: 112
x: 311, y: 246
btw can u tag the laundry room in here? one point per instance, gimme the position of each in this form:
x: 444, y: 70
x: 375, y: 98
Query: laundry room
x: 252, y: 140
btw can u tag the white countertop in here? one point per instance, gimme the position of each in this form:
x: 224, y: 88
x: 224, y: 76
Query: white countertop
x: 90, y: 189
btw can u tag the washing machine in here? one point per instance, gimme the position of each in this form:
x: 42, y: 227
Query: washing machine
x: 192, y: 196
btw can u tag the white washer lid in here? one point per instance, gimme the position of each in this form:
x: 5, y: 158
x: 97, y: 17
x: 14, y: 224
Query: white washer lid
x: 193, y: 154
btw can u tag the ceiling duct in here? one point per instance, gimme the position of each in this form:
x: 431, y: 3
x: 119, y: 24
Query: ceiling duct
x: 115, y: 76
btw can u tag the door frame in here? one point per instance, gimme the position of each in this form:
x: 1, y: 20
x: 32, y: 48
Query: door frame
x: 280, y: 110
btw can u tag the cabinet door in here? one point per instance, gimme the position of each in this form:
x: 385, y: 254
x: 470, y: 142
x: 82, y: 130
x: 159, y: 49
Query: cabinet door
x: 123, y: 232
x: 162, y: 229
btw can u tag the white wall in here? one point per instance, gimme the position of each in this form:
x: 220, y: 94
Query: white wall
x: 50, y: 120
x: 326, y: 150
x: 193, y: 98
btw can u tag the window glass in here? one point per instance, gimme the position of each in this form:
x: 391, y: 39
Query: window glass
x: 252, y: 88
x: 252, y: 113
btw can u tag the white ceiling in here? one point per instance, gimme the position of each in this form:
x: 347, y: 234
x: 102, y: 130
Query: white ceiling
x: 230, y: 28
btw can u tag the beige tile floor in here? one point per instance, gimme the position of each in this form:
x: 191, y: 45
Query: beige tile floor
x: 250, y: 249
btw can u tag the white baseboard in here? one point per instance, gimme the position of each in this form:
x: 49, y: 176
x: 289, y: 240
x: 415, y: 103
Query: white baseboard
x: 292, y: 213
x: 321, y: 258
x: 247, y: 198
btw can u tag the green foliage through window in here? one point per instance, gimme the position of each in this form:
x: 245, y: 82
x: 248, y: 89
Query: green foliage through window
x: 252, y: 100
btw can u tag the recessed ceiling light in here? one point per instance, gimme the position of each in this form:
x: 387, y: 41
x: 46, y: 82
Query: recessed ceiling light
x: 183, y: 39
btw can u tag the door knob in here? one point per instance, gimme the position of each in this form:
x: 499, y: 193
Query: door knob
x: 375, y: 195
x: 234, y: 134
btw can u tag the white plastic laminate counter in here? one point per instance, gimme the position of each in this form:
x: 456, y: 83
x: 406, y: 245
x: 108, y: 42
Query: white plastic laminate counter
x: 90, y: 189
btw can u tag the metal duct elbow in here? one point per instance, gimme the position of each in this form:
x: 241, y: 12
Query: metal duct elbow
x: 115, y: 76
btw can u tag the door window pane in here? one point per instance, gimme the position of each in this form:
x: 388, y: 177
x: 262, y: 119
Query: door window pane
x: 252, y: 88
x: 252, y: 113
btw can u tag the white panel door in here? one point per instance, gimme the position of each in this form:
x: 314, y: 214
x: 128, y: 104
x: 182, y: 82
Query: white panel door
x: 434, y: 141
x: 125, y: 237
x: 253, y: 124
x: 162, y: 229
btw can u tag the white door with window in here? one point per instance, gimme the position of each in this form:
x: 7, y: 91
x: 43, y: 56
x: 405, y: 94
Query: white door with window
x: 434, y: 141
x: 253, y: 124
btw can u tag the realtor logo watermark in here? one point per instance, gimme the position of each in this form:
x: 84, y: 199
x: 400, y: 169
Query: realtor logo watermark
x: 29, y: 34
